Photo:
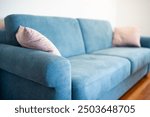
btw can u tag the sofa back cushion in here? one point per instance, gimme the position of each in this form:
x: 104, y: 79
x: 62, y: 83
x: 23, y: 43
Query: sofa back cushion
x: 97, y: 34
x: 64, y: 33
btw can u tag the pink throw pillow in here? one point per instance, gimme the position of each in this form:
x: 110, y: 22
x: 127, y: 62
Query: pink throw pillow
x: 30, y: 38
x: 126, y: 36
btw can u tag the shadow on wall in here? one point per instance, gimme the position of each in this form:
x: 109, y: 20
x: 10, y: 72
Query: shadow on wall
x: 2, y: 24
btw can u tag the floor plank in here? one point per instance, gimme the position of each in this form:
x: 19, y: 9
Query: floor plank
x: 141, y: 91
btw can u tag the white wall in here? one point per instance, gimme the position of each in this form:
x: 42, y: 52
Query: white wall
x: 118, y: 12
x: 134, y: 13
x: 96, y: 9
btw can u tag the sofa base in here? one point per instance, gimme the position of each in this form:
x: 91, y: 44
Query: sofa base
x: 13, y: 87
x: 25, y: 89
x: 125, y: 85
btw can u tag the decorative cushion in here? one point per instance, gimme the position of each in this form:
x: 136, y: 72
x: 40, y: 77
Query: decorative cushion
x: 126, y: 36
x: 30, y: 38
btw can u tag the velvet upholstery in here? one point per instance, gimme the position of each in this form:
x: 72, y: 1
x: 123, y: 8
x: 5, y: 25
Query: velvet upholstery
x: 124, y: 86
x: 64, y: 33
x: 38, y: 66
x: 145, y: 42
x: 139, y: 57
x: 2, y: 36
x: 18, y: 88
x: 88, y: 69
x: 104, y: 75
x: 97, y: 34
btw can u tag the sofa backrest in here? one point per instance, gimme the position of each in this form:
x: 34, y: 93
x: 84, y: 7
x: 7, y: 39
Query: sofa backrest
x: 97, y: 34
x: 65, y: 33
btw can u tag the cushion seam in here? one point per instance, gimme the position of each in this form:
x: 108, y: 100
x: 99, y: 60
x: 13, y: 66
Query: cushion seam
x: 82, y: 36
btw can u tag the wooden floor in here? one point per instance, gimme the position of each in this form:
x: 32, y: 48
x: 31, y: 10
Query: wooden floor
x: 141, y: 91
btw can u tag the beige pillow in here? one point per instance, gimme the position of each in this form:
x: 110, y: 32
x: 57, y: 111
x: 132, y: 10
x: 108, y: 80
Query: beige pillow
x: 126, y: 36
x: 30, y: 38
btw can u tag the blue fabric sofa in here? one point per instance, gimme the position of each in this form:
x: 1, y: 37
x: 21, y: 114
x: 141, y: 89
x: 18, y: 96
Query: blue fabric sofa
x: 89, y: 69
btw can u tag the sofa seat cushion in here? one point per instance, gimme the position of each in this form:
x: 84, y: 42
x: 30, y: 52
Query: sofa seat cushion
x: 139, y: 57
x: 92, y: 75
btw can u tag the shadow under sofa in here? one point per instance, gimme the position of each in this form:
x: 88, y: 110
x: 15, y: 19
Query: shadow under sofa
x: 89, y: 69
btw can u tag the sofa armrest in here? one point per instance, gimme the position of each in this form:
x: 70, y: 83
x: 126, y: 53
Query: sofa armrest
x: 41, y: 67
x: 2, y: 36
x: 145, y: 42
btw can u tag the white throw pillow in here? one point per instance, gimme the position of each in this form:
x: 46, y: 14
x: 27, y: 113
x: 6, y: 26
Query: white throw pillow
x: 126, y: 36
x: 30, y: 38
